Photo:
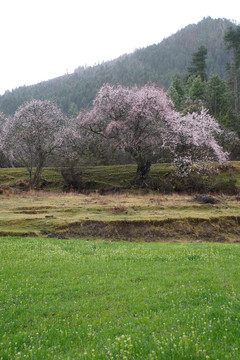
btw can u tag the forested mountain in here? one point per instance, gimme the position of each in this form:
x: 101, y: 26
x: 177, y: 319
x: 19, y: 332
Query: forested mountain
x: 156, y: 63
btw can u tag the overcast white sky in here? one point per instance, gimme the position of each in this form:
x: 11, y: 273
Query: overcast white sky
x: 43, y: 39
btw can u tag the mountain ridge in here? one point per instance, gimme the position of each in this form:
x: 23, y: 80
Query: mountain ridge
x: 155, y: 63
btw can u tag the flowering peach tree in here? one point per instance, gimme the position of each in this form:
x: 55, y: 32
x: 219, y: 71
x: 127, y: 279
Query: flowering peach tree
x: 32, y: 135
x: 196, y: 142
x: 142, y: 122
x: 3, y: 159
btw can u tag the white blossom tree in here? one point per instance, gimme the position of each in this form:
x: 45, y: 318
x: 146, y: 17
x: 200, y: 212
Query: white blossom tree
x: 142, y: 122
x: 3, y: 159
x: 195, y: 142
x: 32, y: 135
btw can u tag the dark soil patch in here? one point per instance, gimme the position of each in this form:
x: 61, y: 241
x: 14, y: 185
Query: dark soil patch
x: 212, y: 229
x: 205, y: 199
x: 6, y: 178
x: 30, y: 212
x: 33, y: 209
x: 21, y: 234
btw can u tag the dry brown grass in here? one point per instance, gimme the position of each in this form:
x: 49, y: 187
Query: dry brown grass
x: 36, y: 212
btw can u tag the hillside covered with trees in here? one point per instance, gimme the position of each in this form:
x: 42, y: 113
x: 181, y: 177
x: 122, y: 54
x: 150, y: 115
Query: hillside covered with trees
x: 157, y: 63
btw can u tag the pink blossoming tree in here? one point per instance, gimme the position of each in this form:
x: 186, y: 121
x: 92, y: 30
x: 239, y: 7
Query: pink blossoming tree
x: 32, y: 135
x: 142, y: 122
x: 3, y: 159
x: 196, y: 142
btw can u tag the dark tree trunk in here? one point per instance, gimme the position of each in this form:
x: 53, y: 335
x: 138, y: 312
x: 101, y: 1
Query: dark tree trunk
x: 72, y: 178
x: 35, y: 180
x: 143, y: 169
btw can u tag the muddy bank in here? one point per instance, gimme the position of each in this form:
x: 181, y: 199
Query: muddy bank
x: 218, y: 229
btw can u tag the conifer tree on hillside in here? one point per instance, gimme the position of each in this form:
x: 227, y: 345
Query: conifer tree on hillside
x: 198, y: 66
x: 193, y: 90
x: 232, y: 40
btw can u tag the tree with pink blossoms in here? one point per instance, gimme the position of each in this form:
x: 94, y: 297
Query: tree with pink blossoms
x: 196, y: 142
x: 33, y: 135
x: 131, y: 120
x: 142, y: 122
x: 2, y: 122
x: 3, y: 159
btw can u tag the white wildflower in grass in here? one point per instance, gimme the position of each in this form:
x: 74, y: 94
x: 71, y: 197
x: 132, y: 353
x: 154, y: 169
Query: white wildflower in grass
x: 121, y: 348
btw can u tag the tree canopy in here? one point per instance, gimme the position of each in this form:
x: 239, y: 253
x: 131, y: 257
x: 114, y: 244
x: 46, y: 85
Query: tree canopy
x: 142, y: 122
x: 32, y: 135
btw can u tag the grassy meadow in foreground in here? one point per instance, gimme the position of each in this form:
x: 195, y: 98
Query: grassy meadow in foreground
x: 72, y: 299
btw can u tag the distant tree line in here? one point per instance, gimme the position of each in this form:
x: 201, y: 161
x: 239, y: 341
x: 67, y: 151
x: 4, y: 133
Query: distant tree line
x: 153, y: 64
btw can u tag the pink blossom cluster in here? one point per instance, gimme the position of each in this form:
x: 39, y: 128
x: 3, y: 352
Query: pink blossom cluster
x: 142, y: 121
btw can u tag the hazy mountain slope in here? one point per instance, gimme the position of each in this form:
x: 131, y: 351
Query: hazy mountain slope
x: 155, y: 63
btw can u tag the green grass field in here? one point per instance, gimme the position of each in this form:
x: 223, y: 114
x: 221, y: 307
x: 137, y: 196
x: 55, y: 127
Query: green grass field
x: 169, y: 292
x: 73, y: 299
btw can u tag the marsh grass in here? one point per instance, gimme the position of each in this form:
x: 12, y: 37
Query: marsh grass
x: 68, y: 299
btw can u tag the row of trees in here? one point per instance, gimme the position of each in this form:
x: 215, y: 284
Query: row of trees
x: 141, y: 124
x: 139, y: 121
